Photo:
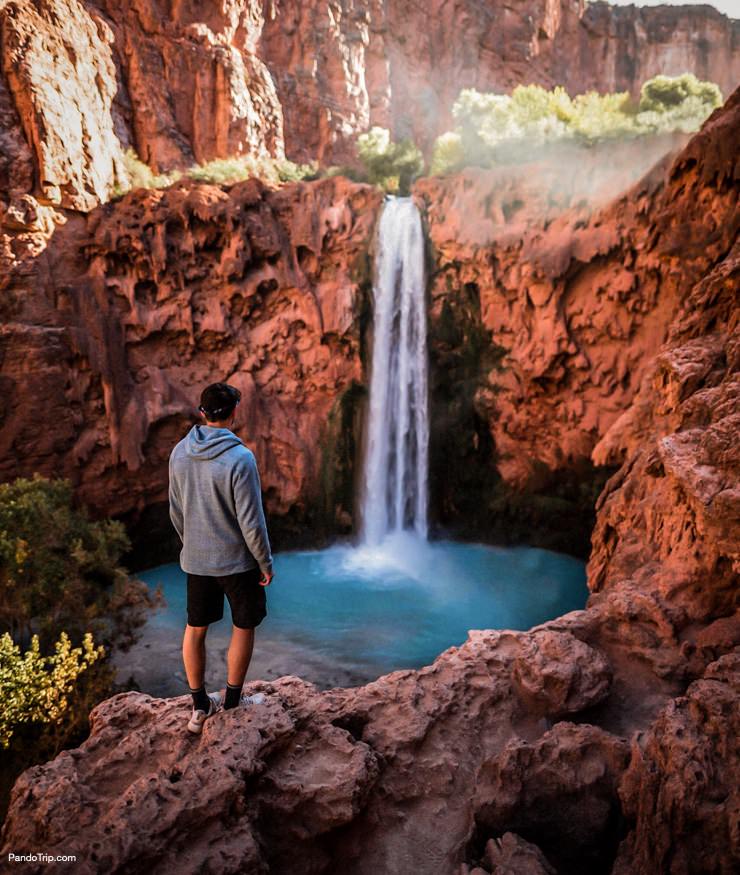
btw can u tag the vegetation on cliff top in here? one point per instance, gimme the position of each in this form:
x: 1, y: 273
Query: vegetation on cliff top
x: 503, y: 128
x: 491, y: 129
x: 220, y: 171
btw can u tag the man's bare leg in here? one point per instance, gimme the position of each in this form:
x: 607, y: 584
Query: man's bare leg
x: 237, y: 661
x: 239, y: 655
x: 194, y: 658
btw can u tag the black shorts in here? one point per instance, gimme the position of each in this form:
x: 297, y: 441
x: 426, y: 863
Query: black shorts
x: 246, y: 597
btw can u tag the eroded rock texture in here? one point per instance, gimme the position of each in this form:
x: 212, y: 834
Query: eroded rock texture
x: 383, y: 778
x: 148, y: 300
x: 681, y: 786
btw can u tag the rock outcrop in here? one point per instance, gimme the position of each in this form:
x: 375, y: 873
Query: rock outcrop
x: 58, y: 85
x: 389, y: 777
x: 681, y: 787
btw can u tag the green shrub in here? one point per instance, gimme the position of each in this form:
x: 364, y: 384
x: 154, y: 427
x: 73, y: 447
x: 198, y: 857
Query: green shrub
x: 676, y: 103
x: 36, y: 688
x: 664, y: 93
x: 270, y: 170
x: 59, y: 570
x: 140, y: 175
x: 448, y: 153
x: 392, y: 166
x: 220, y: 171
x: 495, y: 128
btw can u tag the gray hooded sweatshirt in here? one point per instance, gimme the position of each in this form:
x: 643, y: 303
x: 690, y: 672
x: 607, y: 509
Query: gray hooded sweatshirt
x: 216, y: 504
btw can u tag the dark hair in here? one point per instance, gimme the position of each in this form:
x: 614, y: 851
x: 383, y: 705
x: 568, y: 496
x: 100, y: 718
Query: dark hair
x: 218, y: 401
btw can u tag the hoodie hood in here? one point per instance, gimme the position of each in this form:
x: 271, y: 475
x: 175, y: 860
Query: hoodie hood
x: 207, y: 442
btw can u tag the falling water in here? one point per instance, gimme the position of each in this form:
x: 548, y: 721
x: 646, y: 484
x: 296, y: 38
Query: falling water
x: 396, y: 463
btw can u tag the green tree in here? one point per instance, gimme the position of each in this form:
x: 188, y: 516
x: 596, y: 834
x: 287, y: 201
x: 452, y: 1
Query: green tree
x: 502, y: 128
x: 664, y: 93
x: 671, y: 103
x: 448, y: 153
x: 60, y: 570
x: 393, y: 166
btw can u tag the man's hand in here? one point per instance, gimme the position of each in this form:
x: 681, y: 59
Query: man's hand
x: 266, y: 578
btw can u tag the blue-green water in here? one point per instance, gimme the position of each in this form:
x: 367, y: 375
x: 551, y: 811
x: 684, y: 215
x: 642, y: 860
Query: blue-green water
x: 402, y: 603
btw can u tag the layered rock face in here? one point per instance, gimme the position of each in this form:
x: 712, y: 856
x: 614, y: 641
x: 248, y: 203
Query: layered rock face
x: 192, y: 87
x: 604, y: 741
x: 188, y: 82
x: 58, y: 86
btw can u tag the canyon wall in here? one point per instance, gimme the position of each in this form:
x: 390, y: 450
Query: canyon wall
x: 602, y: 741
x: 131, y: 310
x: 548, y: 299
x: 184, y: 83
x: 548, y: 302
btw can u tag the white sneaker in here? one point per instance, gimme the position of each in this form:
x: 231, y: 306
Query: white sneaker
x: 254, y: 699
x: 198, y: 718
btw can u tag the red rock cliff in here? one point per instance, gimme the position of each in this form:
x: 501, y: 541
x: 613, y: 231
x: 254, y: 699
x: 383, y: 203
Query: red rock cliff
x: 187, y: 82
x: 604, y: 740
x: 116, y: 327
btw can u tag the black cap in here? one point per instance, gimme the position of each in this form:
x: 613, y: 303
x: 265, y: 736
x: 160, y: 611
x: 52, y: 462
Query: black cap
x: 218, y: 401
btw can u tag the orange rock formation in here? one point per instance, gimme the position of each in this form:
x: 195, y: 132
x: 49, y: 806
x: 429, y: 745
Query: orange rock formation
x: 600, y: 741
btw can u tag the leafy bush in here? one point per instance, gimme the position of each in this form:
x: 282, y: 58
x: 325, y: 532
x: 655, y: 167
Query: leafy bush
x: 59, y: 570
x: 220, y: 171
x: 36, y: 688
x: 141, y: 175
x: 353, y: 173
x: 448, y: 153
x: 494, y: 128
x: 270, y: 170
x: 393, y: 166
x: 679, y: 103
x: 664, y: 93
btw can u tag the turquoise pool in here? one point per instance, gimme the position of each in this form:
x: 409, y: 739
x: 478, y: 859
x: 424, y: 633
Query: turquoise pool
x: 400, y: 604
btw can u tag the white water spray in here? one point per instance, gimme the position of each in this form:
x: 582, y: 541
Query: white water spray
x: 397, y: 459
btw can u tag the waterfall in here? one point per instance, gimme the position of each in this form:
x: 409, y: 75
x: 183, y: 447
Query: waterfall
x: 394, y: 495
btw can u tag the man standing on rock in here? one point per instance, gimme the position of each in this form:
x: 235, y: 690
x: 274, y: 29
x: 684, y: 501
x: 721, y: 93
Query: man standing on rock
x: 216, y: 508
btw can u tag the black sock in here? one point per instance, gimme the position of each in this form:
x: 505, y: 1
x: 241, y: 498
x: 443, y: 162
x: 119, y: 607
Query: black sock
x: 233, y: 694
x: 201, y: 702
